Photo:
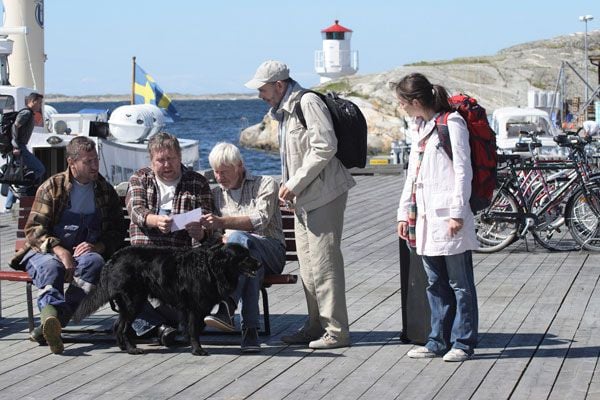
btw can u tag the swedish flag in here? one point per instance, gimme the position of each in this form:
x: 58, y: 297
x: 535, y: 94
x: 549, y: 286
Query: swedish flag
x: 148, y: 92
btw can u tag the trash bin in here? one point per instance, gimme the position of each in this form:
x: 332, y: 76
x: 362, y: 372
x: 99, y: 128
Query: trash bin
x: 416, y: 316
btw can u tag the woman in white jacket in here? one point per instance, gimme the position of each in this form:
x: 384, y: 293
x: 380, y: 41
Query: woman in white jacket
x: 435, y: 217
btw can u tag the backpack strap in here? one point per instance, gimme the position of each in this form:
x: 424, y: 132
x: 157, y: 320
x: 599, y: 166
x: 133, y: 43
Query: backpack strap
x: 441, y: 123
x: 298, y: 108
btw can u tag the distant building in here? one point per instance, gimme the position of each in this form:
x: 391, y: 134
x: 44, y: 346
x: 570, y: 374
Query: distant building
x: 336, y: 59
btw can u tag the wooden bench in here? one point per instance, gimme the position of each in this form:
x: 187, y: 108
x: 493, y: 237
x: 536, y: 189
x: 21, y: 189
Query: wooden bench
x: 269, y: 280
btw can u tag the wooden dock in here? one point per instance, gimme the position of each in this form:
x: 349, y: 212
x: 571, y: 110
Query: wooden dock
x: 539, y: 334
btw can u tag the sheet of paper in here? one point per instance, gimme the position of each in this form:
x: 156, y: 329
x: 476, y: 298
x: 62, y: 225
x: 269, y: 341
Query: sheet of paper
x: 181, y: 220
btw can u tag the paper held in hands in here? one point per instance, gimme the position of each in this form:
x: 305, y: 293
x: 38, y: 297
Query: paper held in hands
x: 179, y: 221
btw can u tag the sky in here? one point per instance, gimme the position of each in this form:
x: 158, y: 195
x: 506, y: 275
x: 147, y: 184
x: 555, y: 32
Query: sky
x: 210, y: 47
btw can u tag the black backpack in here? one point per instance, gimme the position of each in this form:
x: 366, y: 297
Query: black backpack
x: 350, y: 128
x: 6, y: 122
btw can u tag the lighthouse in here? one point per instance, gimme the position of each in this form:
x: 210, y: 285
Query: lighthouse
x: 336, y: 59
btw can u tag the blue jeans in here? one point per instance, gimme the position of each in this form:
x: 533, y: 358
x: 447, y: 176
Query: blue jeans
x: 453, y: 302
x: 271, y: 255
x: 34, y: 165
x: 48, y: 275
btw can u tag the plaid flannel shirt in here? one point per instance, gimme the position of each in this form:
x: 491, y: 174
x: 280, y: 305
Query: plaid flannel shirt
x: 259, y: 201
x: 193, y: 191
x: 50, y: 202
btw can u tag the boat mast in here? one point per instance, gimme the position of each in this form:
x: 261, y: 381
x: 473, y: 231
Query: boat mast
x: 133, y: 81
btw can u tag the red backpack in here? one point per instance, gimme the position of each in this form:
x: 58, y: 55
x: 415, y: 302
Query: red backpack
x: 482, y: 140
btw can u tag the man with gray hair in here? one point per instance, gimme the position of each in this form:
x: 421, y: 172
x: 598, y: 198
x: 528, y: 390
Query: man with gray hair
x: 315, y: 183
x: 247, y: 212
x: 76, y: 222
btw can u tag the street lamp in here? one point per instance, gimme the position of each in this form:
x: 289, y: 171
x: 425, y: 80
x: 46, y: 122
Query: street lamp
x: 586, y: 18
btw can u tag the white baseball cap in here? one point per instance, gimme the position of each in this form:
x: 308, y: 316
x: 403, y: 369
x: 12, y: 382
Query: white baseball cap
x: 267, y: 72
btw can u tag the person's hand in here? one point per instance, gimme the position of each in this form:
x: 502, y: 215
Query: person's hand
x: 163, y: 223
x: 16, y: 151
x: 285, y: 194
x: 454, y: 225
x: 82, y: 248
x: 403, y: 230
x: 196, y: 230
x: 212, y: 221
x: 66, y: 258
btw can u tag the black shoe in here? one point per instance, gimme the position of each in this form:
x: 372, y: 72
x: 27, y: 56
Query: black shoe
x: 166, y: 335
x: 223, y: 319
x: 250, y: 342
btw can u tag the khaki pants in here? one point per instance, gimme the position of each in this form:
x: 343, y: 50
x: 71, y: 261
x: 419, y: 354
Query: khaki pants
x: 318, y: 242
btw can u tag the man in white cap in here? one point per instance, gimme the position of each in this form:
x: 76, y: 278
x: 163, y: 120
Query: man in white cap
x: 315, y: 183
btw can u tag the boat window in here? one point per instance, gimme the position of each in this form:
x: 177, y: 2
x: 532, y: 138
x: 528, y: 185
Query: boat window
x: 7, y: 103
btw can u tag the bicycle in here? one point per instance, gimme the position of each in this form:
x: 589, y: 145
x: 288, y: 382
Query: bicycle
x: 567, y: 203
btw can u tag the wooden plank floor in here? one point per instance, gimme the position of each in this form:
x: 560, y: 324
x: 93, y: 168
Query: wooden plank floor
x: 539, y: 334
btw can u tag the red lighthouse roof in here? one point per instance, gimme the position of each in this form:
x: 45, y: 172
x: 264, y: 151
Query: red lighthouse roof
x: 336, y: 28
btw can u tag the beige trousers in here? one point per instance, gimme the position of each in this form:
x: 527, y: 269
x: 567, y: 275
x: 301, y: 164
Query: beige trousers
x: 318, y: 242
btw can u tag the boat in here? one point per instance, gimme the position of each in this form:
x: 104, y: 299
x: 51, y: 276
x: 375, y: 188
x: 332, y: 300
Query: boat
x: 121, y: 136
x: 509, y: 122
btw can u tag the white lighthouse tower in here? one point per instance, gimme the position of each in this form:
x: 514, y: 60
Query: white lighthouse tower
x: 336, y: 59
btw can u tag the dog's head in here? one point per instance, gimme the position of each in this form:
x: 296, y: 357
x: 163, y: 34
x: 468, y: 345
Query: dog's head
x: 234, y: 258
x: 227, y: 262
x: 239, y: 256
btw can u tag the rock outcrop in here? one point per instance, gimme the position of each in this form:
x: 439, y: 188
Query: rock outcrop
x: 500, y: 80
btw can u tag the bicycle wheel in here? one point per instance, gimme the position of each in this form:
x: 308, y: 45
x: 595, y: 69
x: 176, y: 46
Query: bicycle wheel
x: 498, y: 225
x: 550, y: 229
x: 583, y: 217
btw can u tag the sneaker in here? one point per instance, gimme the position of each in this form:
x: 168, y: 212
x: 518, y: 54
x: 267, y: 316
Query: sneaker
x: 37, y: 335
x: 421, y: 352
x: 328, y: 342
x: 457, y: 355
x: 300, y: 337
x: 51, y: 331
x: 250, y: 342
x: 222, y: 319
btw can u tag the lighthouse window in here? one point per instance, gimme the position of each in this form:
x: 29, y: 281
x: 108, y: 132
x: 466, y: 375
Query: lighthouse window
x: 334, y: 35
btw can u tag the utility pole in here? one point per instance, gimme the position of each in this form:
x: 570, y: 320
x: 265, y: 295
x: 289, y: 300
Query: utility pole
x: 585, y: 19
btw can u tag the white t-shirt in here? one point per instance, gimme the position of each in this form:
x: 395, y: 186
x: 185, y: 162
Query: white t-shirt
x: 166, y: 193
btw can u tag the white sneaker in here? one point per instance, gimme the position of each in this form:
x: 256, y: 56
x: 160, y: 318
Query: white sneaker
x: 457, y: 355
x: 328, y: 342
x: 421, y: 352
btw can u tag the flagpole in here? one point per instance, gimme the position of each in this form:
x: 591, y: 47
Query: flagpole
x: 133, y: 81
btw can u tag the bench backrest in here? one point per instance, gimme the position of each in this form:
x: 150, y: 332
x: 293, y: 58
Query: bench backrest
x: 287, y: 219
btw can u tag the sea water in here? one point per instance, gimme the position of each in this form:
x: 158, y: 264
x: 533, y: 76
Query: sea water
x: 209, y: 122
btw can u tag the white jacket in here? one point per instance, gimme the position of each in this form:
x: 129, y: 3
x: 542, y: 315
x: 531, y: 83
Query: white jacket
x: 443, y: 190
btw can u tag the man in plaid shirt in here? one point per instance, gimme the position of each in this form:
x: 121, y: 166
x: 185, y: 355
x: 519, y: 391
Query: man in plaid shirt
x: 75, y: 224
x: 156, y: 193
x: 247, y: 212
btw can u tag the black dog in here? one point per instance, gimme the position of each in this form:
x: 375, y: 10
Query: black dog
x: 192, y: 280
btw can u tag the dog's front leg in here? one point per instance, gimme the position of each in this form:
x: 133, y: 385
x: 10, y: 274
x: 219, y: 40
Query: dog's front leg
x: 194, y: 333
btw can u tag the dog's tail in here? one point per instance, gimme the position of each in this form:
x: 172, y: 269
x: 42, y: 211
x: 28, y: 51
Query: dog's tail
x: 96, y: 298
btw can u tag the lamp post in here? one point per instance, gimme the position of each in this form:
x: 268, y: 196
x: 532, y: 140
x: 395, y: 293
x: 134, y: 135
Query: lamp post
x: 586, y: 18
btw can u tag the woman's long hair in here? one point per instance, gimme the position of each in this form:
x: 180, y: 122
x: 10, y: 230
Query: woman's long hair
x: 417, y: 87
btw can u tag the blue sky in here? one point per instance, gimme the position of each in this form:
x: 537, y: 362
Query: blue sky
x: 202, y: 47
